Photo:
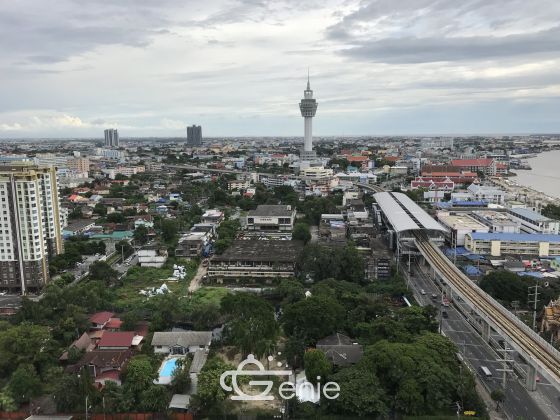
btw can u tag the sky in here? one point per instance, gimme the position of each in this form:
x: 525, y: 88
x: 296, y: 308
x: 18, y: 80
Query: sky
x: 71, y: 68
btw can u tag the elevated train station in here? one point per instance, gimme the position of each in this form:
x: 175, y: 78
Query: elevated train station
x: 402, y: 217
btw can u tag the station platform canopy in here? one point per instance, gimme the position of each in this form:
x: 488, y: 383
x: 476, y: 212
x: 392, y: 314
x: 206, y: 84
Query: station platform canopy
x: 404, y: 214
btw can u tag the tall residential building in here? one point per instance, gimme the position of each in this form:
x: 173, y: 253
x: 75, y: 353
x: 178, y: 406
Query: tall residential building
x: 111, y: 137
x: 79, y: 164
x: 30, y: 229
x: 308, y: 108
x: 194, y: 135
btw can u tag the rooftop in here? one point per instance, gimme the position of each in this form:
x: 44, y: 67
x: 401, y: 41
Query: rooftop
x: 405, y: 214
x: 515, y: 237
x: 272, y: 210
x: 529, y: 214
x: 460, y: 221
x: 260, y: 250
x: 116, y: 339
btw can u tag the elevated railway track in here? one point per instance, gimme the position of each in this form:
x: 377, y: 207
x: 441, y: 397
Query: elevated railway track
x: 528, y: 343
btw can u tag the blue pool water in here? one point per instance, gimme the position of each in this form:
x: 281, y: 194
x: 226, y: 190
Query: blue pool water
x: 168, y: 367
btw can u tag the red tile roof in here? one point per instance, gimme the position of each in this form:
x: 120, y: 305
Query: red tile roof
x: 471, y: 162
x: 100, y: 317
x: 114, y: 323
x: 116, y: 339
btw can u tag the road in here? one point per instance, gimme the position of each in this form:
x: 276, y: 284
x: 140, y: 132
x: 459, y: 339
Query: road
x: 196, y: 281
x: 519, y: 403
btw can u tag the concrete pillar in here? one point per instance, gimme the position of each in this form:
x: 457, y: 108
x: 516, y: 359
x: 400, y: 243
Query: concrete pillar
x: 485, y: 331
x: 531, y: 381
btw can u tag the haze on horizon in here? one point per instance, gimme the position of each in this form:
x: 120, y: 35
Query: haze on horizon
x: 71, y: 68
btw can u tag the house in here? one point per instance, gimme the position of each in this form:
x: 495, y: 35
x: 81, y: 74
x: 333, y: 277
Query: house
x: 100, y: 319
x: 104, y: 365
x: 116, y: 340
x: 181, y: 342
x: 340, y: 349
x: 84, y: 343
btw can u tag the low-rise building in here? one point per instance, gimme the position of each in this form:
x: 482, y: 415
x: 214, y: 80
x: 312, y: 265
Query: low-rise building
x: 193, y: 243
x: 152, y: 256
x: 181, y: 342
x: 271, y: 221
x: 498, y: 244
x: 256, y: 259
x: 458, y: 225
x: 533, y: 222
x: 497, y: 221
x: 212, y: 216
x: 487, y: 193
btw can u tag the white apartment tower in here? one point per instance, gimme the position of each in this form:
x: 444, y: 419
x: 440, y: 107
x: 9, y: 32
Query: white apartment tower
x: 308, y: 108
x: 111, y: 137
x: 30, y: 229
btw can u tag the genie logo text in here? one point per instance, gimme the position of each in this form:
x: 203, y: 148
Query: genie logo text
x: 287, y: 390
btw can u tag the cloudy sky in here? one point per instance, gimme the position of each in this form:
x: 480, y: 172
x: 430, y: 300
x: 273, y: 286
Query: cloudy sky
x: 70, y: 68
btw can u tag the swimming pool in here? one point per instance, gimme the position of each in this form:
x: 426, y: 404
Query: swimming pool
x: 168, y: 367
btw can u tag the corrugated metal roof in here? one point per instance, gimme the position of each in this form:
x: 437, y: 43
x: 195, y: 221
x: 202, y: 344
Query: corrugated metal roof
x: 398, y: 208
x: 514, y: 237
x: 530, y: 214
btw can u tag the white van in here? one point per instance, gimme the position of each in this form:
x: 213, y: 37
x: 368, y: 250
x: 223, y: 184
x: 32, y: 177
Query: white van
x: 485, y: 371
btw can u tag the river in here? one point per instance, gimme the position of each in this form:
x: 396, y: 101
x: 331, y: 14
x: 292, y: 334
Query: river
x: 545, y: 175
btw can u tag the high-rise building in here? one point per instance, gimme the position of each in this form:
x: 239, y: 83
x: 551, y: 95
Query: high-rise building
x: 194, y: 135
x: 111, y: 137
x: 308, y: 108
x: 30, y: 229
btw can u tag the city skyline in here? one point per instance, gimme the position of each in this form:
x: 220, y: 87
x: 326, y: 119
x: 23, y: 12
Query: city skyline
x: 421, y: 67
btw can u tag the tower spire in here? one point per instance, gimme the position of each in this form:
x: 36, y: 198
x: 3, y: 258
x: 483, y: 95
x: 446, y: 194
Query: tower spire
x: 308, y: 85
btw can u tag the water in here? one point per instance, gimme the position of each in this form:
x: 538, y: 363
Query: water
x: 168, y: 367
x: 545, y: 175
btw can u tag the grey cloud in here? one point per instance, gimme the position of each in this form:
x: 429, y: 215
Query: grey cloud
x: 434, y: 49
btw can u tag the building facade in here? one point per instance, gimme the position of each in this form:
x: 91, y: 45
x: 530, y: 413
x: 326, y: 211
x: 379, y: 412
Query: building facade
x: 271, y: 221
x: 498, y: 244
x: 194, y: 135
x: 111, y: 137
x: 30, y: 228
x: 533, y: 222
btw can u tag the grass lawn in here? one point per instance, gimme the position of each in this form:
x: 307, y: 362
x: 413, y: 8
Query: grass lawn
x: 206, y: 295
x: 139, y: 278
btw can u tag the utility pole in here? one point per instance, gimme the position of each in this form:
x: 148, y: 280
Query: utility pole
x: 505, y: 360
x: 534, y: 298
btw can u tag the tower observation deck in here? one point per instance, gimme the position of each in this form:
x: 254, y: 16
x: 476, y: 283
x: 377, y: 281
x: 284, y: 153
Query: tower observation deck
x: 308, y: 108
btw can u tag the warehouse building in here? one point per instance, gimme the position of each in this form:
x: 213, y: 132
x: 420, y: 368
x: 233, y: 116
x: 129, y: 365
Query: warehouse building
x: 498, y: 244
x: 497, y: 221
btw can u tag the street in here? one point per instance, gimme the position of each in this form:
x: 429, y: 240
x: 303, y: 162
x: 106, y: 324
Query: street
x: 519, y: 402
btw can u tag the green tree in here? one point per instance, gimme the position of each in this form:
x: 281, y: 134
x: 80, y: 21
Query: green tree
x: 301, y: 232
x: 141, y: 234
x: 24, y: 383
x: 313, y: 318
x: 102, y: 271
x: 180, y: 378
x: 25, y: 344
x: 169, y: 230
x: 498, y: 396
x: 139, y: 375
x: 317, y: 366
x: 361, y: 394
x: 155, y: 398
x: 250, y: 323
x: 100, y: 210
x: 7, y: 403
x: 115, y: 217
x: 209, y: 392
